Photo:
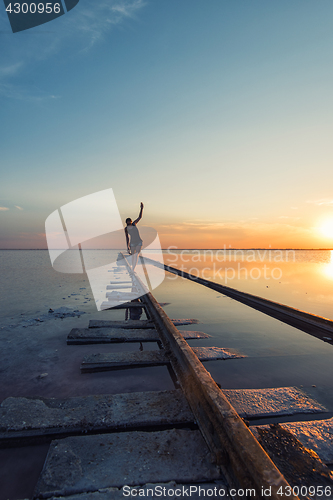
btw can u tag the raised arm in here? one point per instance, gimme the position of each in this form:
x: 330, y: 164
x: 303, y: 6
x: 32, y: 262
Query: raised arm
x: 140, y: 214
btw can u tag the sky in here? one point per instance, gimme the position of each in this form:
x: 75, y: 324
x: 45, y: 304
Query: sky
x: 216, y: 114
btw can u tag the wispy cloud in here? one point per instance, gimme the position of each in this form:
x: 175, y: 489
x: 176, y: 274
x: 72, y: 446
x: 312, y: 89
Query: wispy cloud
x: 238, y: 234
x: 288, y: 217
x: 95, y: 19
x: 21, y: 93
x: 327, y: 202
x: 10, y: 70
x: 19, y: 208
x: 248, y: 225
x: 3, y: 209
x: 77, y: 31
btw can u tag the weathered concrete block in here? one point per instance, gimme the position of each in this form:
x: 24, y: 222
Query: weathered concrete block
x: 89, y: 463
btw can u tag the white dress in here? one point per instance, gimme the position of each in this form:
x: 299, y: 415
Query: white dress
x: 135, y: 239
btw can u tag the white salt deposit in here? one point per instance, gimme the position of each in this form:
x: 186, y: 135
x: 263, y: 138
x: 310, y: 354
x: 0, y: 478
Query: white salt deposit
x: 254, y: 403
x: 316, y: 435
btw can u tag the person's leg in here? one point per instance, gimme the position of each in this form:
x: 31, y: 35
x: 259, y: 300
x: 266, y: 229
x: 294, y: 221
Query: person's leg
x: 135, y: 256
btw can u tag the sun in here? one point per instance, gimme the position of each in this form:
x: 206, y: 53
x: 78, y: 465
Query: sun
x: 326, y: 228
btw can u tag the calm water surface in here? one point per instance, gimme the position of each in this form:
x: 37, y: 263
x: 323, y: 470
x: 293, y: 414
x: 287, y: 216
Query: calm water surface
x: 298, y: 278
x: 277, y: 354
x: 302, y: 278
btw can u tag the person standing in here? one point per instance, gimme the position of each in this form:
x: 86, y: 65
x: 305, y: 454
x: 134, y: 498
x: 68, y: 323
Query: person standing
x: 133, y: 239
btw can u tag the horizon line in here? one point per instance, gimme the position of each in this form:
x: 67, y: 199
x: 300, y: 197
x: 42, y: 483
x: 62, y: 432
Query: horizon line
x: 177, y: 249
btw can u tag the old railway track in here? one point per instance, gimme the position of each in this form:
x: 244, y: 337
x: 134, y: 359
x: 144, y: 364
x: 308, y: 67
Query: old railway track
x: 191, y: 436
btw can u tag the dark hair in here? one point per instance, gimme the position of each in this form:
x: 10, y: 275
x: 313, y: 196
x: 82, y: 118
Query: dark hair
x: 128, y: 220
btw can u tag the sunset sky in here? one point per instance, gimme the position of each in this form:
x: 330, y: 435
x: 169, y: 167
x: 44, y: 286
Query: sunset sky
x: 216, y: 114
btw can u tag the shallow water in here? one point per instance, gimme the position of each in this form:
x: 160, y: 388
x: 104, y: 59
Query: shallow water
x: 303, y: 278
x: 277, y: 354
x: 299, y: 278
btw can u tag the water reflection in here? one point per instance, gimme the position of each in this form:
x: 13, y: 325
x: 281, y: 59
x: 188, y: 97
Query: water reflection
x: 328, y: 268
x: 134, y: 313
x: 298, y: 278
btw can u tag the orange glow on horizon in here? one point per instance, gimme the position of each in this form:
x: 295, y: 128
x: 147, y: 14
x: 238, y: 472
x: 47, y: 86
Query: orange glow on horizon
x: 192, y: 235
x: 243, y: 236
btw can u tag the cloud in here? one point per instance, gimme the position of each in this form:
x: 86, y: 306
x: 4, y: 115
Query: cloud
x: 327, y: 202
x: 20, y: 93
x: 4, y: 209
x: 19, y: 208
x: 94, y: 19
x: 238, y: 227
x: 75, y: 32
x: 238, y: 234
x: 10, y: 70
x: 288, y: 217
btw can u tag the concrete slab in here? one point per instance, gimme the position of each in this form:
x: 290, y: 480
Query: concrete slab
x: 189, y: 334
x: 316, y: 435
x: 120, y: 360
x: 300, y: 466
x: 180, y: 322
x: 118, y: 335
x: 95, y: 323
x: 140, y: 324
x: 117, y: 287
x: 119, y: 304
x: 103, y: 494
x: 155, y: 491
x: 256, y: 403
x: 132, y: 293
x: 27, y: 417
x: 119, y: 282
x: 111, y: 335
x: 123, y: 296
x: 86, y: 464
x: 115, y: 304
x: 215, y: 353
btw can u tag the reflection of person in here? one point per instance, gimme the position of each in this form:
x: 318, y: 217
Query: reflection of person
x: 133, y: 240
x: 134, y: 313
